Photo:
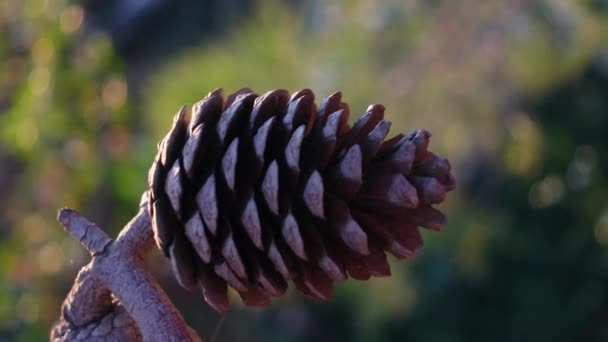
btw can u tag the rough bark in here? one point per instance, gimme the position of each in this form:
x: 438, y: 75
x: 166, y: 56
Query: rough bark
x: 114, y: 297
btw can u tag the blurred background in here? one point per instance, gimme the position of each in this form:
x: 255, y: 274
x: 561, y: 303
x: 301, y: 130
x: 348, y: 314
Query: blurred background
x: 514, y: 91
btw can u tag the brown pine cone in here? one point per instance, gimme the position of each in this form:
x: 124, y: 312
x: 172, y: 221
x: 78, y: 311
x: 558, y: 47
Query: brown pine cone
x: 253, y: 191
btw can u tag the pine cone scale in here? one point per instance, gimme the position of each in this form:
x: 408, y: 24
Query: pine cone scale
x: 231, y: 254
x: 214, y: 288
x: 292, y: 236
x: 251, y: 222
x: 206, y: 201
x: 364, y: 125
x: 207, y: 111
x: 226, y: 273
x: 278, y: 261
x: 313, y: 195
x: 164, y: 221
x: 229, y: 164
x: 345, y: 178
x: 267, y: 107
x: 231, y: 119
x: 371, y: 144
x: 270, y: 187
x: 195, y: 231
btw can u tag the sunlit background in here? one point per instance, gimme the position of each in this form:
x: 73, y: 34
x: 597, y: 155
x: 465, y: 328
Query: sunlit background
x: 514, y: 91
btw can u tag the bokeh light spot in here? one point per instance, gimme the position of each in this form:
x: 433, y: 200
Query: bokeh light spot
x: 40, y: 79
x: 578, y: 175
x: 75, y: 152
x: 546, y: 192
x: 35, y: 8
x: 523, y: 152
x: 43, y: 52
x: 50, y: 258
x: 114, y: 93
x: 601, y: 228
x: 71, y: 19
x: 34, y: 228
x: 117, y: 141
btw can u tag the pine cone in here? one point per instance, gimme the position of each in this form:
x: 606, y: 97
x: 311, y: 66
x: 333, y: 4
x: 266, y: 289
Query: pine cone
x: 254, y: 191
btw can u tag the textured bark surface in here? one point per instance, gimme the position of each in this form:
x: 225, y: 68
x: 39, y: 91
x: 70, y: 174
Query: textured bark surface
x: 114, y: 297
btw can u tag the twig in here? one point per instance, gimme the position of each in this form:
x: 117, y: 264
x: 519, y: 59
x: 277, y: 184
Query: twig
x: 116, y: 279
x: 88, y: 233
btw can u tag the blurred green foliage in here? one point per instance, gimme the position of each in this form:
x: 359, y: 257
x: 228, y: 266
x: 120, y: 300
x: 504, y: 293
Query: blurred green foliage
x: 65, y: 140
x: 515, y: 93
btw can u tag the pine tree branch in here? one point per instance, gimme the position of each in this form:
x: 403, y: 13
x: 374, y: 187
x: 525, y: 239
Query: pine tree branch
x: 115, y: 296
x: 88, y: 233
